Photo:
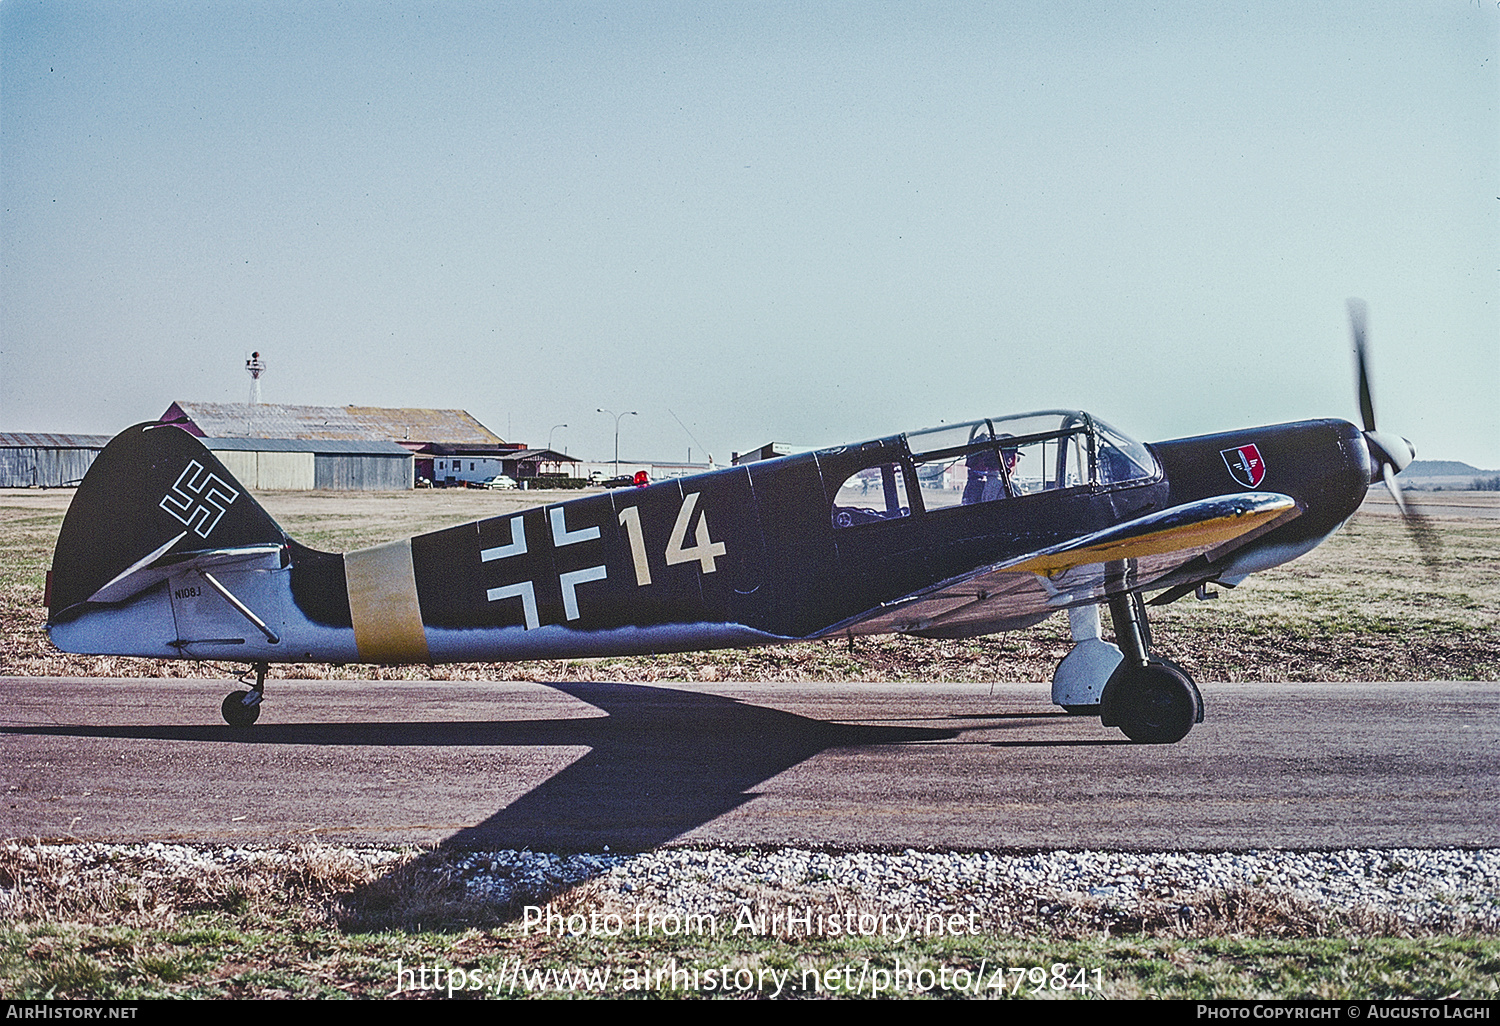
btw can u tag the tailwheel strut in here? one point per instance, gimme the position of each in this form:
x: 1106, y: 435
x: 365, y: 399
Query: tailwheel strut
x: 1152, y: 700
x: 242, y: 708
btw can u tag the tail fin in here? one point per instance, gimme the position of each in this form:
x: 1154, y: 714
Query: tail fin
x: 153, y: 498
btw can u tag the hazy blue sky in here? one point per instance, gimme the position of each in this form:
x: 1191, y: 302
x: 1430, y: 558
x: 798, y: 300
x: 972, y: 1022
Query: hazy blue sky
x: 807, y: 222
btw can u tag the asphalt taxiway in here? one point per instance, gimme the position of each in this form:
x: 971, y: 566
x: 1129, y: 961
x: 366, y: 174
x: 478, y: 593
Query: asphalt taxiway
x: 584, y: 765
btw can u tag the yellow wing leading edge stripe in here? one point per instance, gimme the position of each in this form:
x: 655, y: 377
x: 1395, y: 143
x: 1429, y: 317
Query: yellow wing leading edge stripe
x: 382, y: 585
x: 1202, y: 535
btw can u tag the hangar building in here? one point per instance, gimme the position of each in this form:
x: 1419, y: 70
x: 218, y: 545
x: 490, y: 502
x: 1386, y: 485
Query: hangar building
x: 46, y: 460
x: 301, y: 464
x: 351, y: 448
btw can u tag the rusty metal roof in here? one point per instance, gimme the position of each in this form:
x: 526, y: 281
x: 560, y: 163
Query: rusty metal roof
x: 333, y: 423
x: 49, y: 440
x: 409, y: 424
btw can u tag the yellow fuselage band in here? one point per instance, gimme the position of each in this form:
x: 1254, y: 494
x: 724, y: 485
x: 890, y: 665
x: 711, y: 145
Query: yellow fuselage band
x: 382, y: 584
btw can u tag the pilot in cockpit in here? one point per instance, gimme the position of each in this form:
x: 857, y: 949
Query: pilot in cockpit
x: 985, y: 481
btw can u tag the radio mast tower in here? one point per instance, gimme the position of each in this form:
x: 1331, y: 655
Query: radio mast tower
x: 256, y: 366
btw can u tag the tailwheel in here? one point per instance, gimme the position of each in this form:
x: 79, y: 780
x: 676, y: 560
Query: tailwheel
x: 242, y: 708
x: 237, y: 713
x: 1155, y: 704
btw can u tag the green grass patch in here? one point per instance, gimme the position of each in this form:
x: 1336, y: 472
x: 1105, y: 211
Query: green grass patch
x: 499, y: 962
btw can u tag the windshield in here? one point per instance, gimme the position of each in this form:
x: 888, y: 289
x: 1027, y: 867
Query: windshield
x: 1122, y: 458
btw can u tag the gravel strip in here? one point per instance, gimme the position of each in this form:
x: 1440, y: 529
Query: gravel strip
x: 1425, y: 888
x: 1421, y: 888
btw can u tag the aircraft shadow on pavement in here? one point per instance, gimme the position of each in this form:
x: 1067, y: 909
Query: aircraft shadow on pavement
x: 661, y: 762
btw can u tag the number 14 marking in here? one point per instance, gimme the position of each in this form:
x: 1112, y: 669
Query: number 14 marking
x: 704, y: 549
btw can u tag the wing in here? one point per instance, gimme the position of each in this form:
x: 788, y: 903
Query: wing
x: 1021, y: 591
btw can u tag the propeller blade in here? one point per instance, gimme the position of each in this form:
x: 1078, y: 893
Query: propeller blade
x: 1394, y: 488
x: 1391, y: 453
x: 1427, y: 538
x: 1361, y: 363
x: 1429, y: 541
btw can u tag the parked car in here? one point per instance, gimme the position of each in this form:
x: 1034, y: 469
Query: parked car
x: 640, y: 479
x: 499, y: 481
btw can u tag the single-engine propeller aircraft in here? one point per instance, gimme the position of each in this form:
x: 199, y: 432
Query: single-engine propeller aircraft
x: 952, y: 532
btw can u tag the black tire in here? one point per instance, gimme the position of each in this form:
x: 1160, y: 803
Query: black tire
x: 1156, y: 705
x: 1192, y: 685
x: 236, y: 713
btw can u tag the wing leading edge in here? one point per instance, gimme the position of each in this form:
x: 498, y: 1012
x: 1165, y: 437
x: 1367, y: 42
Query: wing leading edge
x: 1126, y: 557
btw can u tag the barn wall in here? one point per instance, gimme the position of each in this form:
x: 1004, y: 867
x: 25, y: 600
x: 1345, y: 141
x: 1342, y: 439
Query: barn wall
x: 18, y: 468
x: 26, y: 466
x: 364, y: 473
x: 241, y: 465
x: 285, y: 471
x: 269, y: 471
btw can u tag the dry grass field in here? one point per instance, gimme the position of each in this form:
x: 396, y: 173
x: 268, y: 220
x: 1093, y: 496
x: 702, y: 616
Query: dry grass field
x: 1362, y: 607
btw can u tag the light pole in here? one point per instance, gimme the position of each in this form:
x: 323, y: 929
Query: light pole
x: 549, y: 434
x: 617, y: 416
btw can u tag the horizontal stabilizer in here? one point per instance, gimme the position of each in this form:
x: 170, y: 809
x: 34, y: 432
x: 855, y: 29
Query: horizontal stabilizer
x: 163, y: 564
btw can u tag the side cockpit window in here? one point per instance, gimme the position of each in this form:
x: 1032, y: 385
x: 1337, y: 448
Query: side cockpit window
x: 963, y: 465
x: 984, y: 461
x: 1049, y: 464
x: 871, y: 495
x: 981, y: 472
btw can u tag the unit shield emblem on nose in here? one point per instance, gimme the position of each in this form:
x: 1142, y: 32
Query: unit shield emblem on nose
x: 1245, y: 464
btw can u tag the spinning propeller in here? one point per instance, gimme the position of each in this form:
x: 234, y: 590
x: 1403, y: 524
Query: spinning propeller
x: 1389, y: 454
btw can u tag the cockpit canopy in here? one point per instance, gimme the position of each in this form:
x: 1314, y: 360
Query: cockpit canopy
x: 1018, y: 455
x: 996, y: 458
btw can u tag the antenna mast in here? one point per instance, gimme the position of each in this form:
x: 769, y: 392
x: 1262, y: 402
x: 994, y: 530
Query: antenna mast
x: 256, y: 366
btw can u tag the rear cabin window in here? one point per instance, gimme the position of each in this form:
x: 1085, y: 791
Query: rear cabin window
x: 871, y: 495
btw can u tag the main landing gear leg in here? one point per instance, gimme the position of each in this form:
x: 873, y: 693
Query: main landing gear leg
x: 242, y: 708
x: 1153, y: 701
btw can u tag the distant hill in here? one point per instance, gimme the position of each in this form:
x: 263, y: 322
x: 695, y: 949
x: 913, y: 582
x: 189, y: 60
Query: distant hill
x: 1444, y: 468
x: 1447, y: 476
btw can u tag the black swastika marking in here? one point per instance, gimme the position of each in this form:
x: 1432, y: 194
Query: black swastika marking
x: 199, y: 499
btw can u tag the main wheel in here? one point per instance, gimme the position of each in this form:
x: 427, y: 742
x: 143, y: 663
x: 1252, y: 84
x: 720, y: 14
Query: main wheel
x: 1157, y: 705
x: 237, y: 713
